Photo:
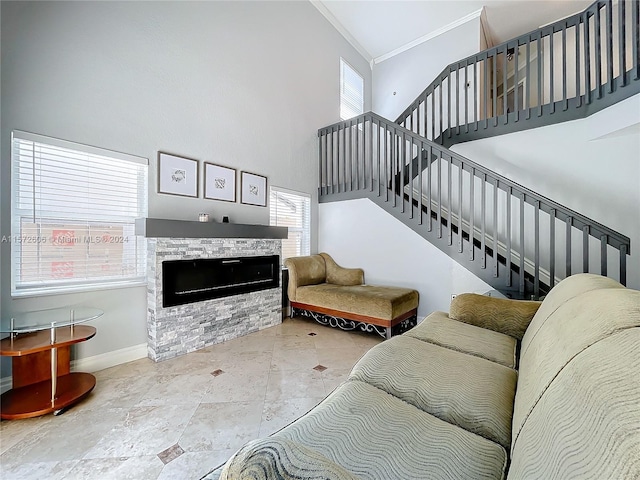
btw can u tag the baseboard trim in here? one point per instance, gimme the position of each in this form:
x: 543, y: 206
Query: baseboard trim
x: 97, y: 362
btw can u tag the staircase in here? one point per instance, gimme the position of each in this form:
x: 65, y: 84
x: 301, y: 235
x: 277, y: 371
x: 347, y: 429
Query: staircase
x: 511, y: 237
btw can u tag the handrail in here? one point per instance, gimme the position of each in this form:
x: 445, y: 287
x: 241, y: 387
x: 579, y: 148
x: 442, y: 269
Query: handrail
x: 366, y: 153
x: 515, y: 80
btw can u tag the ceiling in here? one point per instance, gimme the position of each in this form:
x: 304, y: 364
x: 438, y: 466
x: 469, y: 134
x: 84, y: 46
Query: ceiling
x: 378, y: 27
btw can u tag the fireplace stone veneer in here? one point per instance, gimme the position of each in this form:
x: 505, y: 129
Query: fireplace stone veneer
x: 182, y: 329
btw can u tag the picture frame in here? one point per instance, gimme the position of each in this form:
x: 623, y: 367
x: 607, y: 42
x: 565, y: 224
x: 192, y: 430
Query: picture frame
x: 253, y: 189
x: 177, y: 175
x: 219, y: 182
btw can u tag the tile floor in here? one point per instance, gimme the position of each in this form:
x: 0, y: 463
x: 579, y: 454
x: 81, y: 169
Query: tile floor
x: 180, y: 418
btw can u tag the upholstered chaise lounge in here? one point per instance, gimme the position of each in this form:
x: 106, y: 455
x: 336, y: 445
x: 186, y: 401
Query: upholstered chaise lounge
x: 495, y: 389
x: 336, y: 296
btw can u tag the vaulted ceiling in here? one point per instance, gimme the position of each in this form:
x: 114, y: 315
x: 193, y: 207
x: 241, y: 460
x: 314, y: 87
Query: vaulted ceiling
x: 381, y: 26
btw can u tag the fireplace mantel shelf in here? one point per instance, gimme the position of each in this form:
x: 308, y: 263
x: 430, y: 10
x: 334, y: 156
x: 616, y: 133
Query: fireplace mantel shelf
x: 164, y: 228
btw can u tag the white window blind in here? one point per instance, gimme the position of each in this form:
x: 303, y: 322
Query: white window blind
x: 73, y: 214
x: 351, y: 92
x: 293, y: 210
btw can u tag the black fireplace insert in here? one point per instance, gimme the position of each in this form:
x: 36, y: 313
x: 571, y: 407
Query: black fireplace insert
x: 187, y: 281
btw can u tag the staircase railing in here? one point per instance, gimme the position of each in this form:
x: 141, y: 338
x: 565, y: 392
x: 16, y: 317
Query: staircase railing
x: 507, y: 234
x: 551, y: 72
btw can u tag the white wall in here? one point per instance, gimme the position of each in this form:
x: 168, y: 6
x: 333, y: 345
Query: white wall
x: 409, y: 73
x: 592, y: 166
x: 358, y: 233
x: 242, y: 84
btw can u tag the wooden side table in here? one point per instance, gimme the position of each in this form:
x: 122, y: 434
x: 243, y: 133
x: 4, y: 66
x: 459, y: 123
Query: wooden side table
x: 40, y: 344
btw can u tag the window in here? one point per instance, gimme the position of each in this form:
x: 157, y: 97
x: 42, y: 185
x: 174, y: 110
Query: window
x: 73, y: 214
x: 293, y: 210
x: 351, y: 92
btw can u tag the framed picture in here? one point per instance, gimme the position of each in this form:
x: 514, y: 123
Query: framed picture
x: 177, y: 175
x: 254, y: 189
x: 219, y: 182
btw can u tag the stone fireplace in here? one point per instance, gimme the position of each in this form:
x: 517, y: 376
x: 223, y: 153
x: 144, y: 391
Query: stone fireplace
x: 180, y: 329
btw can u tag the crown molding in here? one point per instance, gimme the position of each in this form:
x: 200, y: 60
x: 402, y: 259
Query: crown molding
x: 430, y: 36
x: 342, y: 30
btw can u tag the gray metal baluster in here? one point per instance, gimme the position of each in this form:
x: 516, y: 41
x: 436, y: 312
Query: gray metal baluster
x: 508, y: 228
x: 401, y: 169
x: 394, y: 169
x: 483, y: 215
x: 495, y: 228
x: 440, y: 108
x: 379, y: 139
x: 449, y: 204
x: 429, y: 163
x: 587, y: 60
x: 568, y: 260
x: 552, y: 97
x: 552, y: 246
x: 433, y: 115
x: 539, y: 57
x: 635, y: 25
x: 623, y: 264
x: 516, y: 92
x: 603, y: 255
x: 476, y: 100
x: 578, y: 95
x: 320, y: 164
x: 460, y: 178
x: 585, y: 248
x: 486, y: 93
x: 458, y: 99
x: 609, y: 11
x: 370, y: 155
x: 598, y: 38
x: 357, y: 134
x: 421, y: 149
x: 504, y: 85
x: 536, y: 261
x: 449, y: 103
x: 494, y: 79
x: 565, y: 102
x: 528, y: 78
x: 472, y: 213
x: 349, y: 161
x: 522, y: 251
x: 466, y: 96
x: 622, y: 50
x: 387, y: 161
x: 439, y: 184
x: 411, y: 176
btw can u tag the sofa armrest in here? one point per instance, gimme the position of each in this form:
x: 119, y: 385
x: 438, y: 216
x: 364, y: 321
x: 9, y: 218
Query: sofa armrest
x: 340, y: 275
x: 511, y: 317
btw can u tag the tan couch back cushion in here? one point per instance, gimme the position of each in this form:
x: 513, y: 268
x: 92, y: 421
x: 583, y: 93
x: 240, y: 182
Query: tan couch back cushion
x: 573, y: 327
x: 587, y: 423
x: 308, y: 270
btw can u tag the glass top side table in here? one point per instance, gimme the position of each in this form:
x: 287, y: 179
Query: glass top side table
x: 40, y: 344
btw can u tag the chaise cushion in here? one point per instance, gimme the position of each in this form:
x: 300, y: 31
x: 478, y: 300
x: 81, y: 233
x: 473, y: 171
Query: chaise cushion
x: 441, y: 330
x: 461, y: 389
x: 379, y: 302
x: 376, y: 436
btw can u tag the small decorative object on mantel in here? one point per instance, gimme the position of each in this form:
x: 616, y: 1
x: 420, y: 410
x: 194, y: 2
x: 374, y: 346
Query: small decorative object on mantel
x: 177, y: 175
x: 254, y: 189
x: 203, y: 217
x: 219, y: 182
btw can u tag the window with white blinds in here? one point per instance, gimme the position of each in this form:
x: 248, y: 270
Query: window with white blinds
x: 293, y: 210
x: 73, y: 214
x: 351, y: 92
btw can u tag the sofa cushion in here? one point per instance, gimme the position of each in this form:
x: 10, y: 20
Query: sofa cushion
x: 441, y: 330
x: 574, y: 326
x: 271, y: 458
x: 464, y: 390
x: 369, y: 300
x: 569, y: 288
x: 587, y: 423
x: 376, y: 436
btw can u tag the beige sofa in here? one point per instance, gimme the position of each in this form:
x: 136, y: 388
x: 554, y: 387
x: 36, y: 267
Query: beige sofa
x: 494, y: 389
x: 321, y: 289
